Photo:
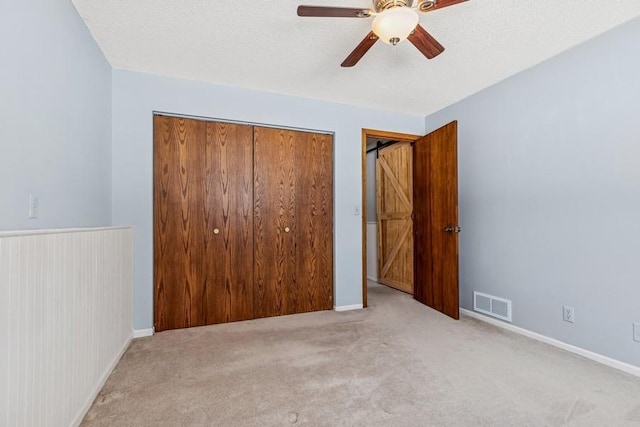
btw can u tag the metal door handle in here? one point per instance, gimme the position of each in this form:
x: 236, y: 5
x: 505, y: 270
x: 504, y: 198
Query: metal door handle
x: 216, y: 231
x: 287, y: 229
x: 452, y: 229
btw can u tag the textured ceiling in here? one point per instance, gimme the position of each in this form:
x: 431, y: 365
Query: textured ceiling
x: 263, y: 44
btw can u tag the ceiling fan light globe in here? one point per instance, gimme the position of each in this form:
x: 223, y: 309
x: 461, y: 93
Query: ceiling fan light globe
x: 395, y: 24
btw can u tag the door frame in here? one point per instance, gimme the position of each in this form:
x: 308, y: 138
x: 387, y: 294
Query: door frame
x: 373, y: 133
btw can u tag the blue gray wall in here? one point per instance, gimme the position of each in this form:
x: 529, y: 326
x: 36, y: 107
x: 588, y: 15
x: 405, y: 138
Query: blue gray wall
x: 55, y: 118
x: 137, y: 95
x: 549, y: 166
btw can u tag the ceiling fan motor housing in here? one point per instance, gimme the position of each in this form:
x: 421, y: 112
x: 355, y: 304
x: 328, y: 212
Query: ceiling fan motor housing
x: 421, y: 5
x: 381, y: 5
x: 424, y: 5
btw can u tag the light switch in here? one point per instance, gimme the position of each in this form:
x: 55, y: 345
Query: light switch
x: 34, y: 205
x: 356, y: 211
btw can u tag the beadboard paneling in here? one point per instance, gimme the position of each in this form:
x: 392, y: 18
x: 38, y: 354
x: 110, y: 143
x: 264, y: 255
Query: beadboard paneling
x: 66, y: 317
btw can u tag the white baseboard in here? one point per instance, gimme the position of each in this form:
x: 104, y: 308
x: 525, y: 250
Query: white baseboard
x: 141, y: 333
x: 347, y: 307
x: 87, y: 405
x: 613, y: 363
x: 373, y: 279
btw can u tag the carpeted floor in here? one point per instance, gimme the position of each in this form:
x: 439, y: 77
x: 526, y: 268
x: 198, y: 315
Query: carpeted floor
x: 396, y: 363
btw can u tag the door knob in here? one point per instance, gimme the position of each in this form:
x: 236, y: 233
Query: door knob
x: 452, y: 229
x: 287, y: 229
x: 216, y: 231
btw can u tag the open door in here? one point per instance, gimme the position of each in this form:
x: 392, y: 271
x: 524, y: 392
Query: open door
x: 394, y: 196
x: 435, y: 207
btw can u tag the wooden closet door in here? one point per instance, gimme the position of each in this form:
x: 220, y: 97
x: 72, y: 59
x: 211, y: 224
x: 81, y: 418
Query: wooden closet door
x: 178, y: 222
x: 203, y: 266
x: 274, y: 221
x: 228, y: 244
x: 293, y: 222
x: 314, y: 222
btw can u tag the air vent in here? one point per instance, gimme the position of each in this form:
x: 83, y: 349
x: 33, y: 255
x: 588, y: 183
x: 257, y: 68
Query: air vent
x: 493, y: 306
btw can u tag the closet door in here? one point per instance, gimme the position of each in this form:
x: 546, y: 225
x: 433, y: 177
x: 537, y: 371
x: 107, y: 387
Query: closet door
x: 229, y: 213
x: 203, y: 230
x: 274, y: 221
x: 293, y: 223
x: 314, y: 223
x: 178, y: 222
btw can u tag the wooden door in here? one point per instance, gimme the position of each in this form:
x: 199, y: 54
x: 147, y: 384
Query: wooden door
x: 293, y: 193
x: 435, y: 190
x: 394, y: 180
x: 314, y: 222
x: 229, y: 213
x: 203, y: 230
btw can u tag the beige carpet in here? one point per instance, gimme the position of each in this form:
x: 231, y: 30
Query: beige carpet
x: 397, y: 363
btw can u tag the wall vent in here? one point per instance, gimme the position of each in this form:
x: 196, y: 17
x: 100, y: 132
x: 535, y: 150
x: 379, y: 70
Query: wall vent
x: 493, y: 306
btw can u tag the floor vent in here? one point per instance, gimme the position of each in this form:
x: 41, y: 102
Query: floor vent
x: 493, y: 306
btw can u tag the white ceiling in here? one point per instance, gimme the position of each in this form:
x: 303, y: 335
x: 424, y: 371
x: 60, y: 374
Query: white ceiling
x: 263, y: 44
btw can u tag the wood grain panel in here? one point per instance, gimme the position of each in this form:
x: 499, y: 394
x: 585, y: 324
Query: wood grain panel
x: 293, y: 189
x: 436, y: 207
x: 314, y: 221
x: 394, y: 169
x: 228, y: 209
x: 243, y: 222
x: 362, y: 48
x: 274, y: 213
x: 178, y: 222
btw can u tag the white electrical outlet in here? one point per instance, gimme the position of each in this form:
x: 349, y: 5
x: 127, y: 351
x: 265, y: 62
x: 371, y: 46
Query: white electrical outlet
x: 34, y: 206
x: 636, y: 332
x: 568, y: 314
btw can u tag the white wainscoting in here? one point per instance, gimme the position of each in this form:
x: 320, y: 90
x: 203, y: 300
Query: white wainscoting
x: 372, y: 251
x: 66, y: 307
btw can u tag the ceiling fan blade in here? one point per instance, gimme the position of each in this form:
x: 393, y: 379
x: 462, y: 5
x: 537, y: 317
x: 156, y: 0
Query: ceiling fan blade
x: 360, y: 50
x: 444, y: 3
x: 425, y: 42
x: 334, y: 12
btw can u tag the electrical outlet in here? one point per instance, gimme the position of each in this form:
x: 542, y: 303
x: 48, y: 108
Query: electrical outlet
x: 636, y: 332
x: 568, y: 314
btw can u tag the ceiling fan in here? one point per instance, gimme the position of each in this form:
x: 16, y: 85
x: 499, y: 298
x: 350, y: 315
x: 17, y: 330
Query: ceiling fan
x: 393, y: 22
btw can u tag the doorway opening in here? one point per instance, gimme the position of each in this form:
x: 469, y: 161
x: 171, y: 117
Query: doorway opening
x: 372, y: 142
x: 414, y: 202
